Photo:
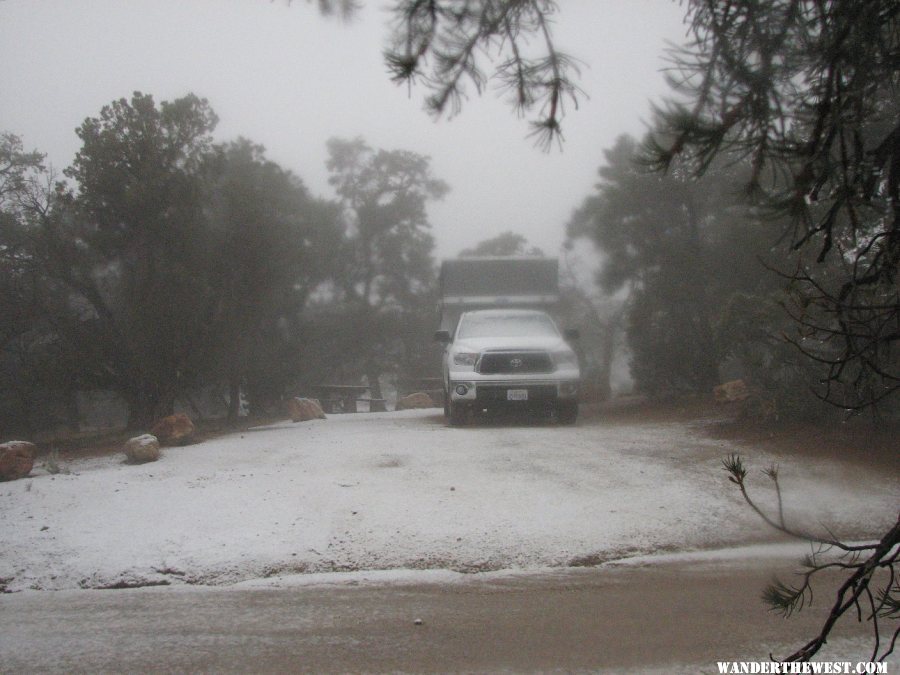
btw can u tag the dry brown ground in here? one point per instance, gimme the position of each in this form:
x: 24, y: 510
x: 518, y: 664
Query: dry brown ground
x: 859, y: 439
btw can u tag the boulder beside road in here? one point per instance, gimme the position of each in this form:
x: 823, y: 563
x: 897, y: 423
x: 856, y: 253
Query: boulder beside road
x: 16, y: 459
x: 735, y: 390
x: 142, y: 449
x: 304, y: 409
x: 175, y: 429
x: 414, y: 401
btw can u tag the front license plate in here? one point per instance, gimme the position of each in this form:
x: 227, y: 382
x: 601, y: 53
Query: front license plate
x: 516, y: 394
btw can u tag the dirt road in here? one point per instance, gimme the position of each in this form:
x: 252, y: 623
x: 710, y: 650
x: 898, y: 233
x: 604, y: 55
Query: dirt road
x: 670, y: 617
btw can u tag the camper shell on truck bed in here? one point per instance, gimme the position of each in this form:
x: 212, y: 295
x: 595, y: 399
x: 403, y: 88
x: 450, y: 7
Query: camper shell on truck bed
x: 491, y: 283
x: 502, y: 349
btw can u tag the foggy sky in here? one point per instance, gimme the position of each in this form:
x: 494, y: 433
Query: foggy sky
x: 289, y: 79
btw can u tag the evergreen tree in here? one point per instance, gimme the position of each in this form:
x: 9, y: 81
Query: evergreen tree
x: 387, y: 267
x: 807, y: 93
x: 682, y: 249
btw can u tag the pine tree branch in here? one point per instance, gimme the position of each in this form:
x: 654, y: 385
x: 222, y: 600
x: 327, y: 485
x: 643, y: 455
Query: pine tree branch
x: 865, y: 560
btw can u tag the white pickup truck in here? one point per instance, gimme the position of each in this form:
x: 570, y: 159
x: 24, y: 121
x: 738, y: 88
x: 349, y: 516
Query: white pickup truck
x: 503, y: 350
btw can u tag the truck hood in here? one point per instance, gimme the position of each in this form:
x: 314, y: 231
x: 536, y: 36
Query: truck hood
x: 505, y: 344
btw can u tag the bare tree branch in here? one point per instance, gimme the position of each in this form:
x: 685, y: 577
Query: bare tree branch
x: 862, y: 561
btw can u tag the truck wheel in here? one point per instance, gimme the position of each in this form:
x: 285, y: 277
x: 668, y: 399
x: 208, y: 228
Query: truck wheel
x: 567, y: 412
x: 456, y: 414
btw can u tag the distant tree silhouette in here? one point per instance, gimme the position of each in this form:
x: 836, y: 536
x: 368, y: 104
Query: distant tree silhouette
x: 504, y: 244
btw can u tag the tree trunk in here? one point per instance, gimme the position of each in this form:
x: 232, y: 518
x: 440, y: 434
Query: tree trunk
x: 373, y: 375
x: 146, y: 407
x: 73, y: 416
x: 607, y: 354
x: 23, y: 422
x: 234, y: 398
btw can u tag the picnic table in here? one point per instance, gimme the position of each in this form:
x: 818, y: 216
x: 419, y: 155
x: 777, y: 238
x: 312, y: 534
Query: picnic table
x: 344, y: 398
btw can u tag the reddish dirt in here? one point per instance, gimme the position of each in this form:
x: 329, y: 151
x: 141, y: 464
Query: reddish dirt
x: 860, y: 439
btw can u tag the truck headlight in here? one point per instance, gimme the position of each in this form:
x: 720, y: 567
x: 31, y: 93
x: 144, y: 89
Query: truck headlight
x: 465, y: 358
x: 568, y: 389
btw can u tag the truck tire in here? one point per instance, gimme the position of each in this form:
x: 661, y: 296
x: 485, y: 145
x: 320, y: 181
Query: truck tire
x: 456, y: 414
x: 567, y: 412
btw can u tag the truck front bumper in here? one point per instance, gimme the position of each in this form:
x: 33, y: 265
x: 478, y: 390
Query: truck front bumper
x: 490, y: 393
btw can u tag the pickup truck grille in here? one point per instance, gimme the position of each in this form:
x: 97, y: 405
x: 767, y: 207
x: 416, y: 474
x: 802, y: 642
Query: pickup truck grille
x: 515, y: 362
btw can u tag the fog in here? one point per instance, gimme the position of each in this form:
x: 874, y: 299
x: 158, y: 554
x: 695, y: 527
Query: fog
x: 289, y: 79
x: 184, y: 278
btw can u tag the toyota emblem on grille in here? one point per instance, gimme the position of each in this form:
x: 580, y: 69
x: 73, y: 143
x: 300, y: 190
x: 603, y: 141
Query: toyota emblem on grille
x: 516, y: 363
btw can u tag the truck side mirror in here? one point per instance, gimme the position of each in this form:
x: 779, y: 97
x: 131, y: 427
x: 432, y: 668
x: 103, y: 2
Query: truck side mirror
x: 442, y: 336
x: 572, y: 334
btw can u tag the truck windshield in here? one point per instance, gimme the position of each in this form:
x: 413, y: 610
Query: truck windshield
x: 510, y: 325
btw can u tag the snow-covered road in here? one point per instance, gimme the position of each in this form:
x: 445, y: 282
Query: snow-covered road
x: 402, y: 490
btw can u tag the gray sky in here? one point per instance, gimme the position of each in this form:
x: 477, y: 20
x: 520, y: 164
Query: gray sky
x: 289, y: 79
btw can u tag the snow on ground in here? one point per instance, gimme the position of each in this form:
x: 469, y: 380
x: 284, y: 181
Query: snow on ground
x: 391, y: 491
